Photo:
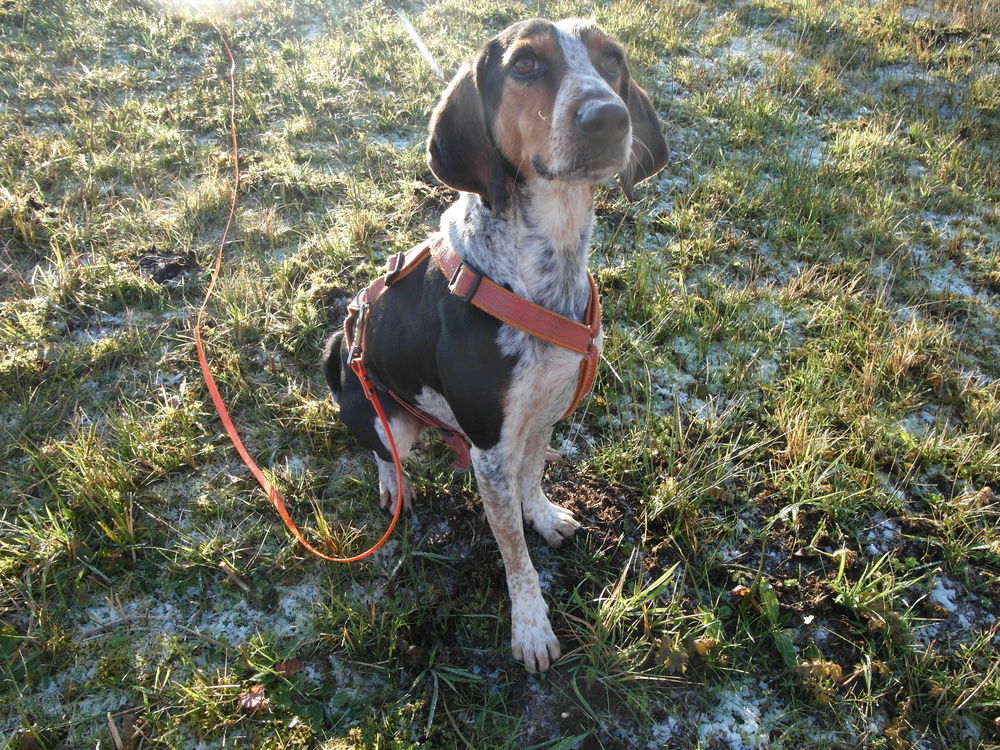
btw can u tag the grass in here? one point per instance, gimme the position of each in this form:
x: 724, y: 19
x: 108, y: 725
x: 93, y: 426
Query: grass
x: 786, y: 472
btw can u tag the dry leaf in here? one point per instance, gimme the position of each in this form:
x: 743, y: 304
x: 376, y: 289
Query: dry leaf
x: 672, y: 655
x: 844, y: 556
x: 740, y: 590
x: 703, y: 645
x: 895, y: 734
x: 818, y: 669
x: 975, y: 500
x: 291, y: 667
x: 819, y: 677
x: 254, y: 701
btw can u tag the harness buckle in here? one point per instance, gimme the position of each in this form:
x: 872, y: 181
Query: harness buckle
x: 358, y: 332
x: 473, y: 287
x: 393, y: 266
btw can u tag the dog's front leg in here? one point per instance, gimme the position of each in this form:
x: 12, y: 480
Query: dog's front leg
x: 532, y: 639
x: 405, y: 432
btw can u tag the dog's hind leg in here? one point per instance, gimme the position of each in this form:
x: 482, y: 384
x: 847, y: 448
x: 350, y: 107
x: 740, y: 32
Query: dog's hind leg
x: 406, y: 430
x: 552, y: 521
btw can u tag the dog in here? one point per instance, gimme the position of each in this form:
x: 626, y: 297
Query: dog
x: 546, y: 111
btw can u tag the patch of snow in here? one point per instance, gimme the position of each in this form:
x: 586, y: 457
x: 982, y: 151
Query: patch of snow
x: 810, y: 151
x: 963, y: 614
x: 752, y: 49
x: 881, y: 536
x: 742, y: 719
x: 944, y: 594
x: 728, y: 554
x: 912, y: 14
x: 94, y: 335
x: 890, y: 488
x: 168, y: 379
x: 948, y: 278
x: 397, y: 143
x: 567, y: 448
x: 907, y: 76
x: 767, y: 371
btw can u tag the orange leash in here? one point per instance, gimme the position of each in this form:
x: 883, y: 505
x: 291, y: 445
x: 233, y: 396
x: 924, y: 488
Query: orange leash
x: 276, y: 499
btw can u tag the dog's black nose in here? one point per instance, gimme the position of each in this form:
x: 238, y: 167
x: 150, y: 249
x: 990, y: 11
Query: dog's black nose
x: 602, y: 122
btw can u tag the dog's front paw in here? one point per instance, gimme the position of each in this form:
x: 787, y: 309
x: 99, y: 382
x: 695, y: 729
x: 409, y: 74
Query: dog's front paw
x: 533, y: 643
x: 552, y: 521
x: 387, y: 494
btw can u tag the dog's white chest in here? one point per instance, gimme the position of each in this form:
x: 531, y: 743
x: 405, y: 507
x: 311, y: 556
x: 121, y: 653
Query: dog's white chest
x: 543, y: 383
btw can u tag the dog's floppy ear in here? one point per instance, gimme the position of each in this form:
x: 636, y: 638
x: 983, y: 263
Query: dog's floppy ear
x: 460, y: 149
x: 649, y: 147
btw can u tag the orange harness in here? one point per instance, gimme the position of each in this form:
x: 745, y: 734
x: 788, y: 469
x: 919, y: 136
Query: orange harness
x: 481, y: 291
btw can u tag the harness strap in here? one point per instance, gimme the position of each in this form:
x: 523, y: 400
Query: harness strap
x: 514, y: 310
x: 487, y: 295
x: 454, y: 440
x: 355, y: 330
x: 588, y: 367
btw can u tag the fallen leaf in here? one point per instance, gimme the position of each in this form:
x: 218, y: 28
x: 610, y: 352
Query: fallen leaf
x: 819, y: 677
x: 27, y: 740
x: 740, y: 590
x: 844, y: 556
x: 672, y: 655
x: 895, y: 734
x: 291, y: 667
x: 703, y: 645
x: 254, y: 701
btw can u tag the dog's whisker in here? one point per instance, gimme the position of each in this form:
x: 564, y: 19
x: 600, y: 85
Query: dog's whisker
x: 637, y: 142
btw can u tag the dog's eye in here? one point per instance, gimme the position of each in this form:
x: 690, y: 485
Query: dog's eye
x: 612, y: 65
x: 525, y: 66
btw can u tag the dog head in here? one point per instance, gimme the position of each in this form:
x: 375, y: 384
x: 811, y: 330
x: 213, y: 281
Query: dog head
x: 549, y: 101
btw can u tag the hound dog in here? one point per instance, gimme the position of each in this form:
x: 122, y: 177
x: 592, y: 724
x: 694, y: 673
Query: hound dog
x: 544, y: 112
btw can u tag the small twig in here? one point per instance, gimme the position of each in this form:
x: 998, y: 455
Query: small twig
x: 206, y: 638
x: 98, y: 630
x: 116, y: 738
x: 228, y: 570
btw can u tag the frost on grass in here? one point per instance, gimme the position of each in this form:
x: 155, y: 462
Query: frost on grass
x: 958, y: 616
x: 747, y: 714
x: 730, y: 59
x: 184, y: 635
x: 882, y: 536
